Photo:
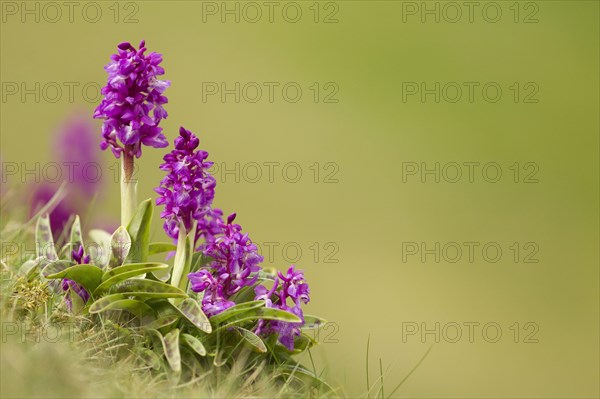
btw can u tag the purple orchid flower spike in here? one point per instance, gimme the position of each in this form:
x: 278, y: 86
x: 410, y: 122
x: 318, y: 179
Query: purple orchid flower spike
x: 235, y: 258
x: 132, y: 107
x: 235, y: 265
x: 76, y: 149
x: 214, y: 300
x: 188, y: 190
x: 289, y: 287
x: 187, y: 193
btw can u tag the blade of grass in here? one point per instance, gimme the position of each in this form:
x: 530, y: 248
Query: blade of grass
x: 381, y: 374
x: 368, y: 384
x: 411, y: 371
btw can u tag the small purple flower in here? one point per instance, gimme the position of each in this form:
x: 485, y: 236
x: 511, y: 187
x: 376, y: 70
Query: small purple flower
x: 70, y: 285
x: 293, y: 287
x: 188, y: 190
x: 214, y: 300
x: 132, y: 107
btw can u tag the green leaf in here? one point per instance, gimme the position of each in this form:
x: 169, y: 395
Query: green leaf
x: 29, y: 267
x: 56, y: 267
x: 102, y: 303
x: 76, y: 239
x: 260, y: 313
x: 130, y: 268
x: 148, y: 289
x: 303, y: 342
x: 160, y: 275
x: 277, y: 314
x: 76, y: 302
x: 139, y: 231
x: 254, y: 340
x: 192, y: 311
x: 194, y: 343
x: 171, y: 347
x: 312, y: 322
x: 161, y: 247
x: 163, y: 307
x: 101, y: 245
x: 120, y: 245
x: 150, y: 358
x: 189, y: 359
x: 124, y: 272
x: 43, y: 239
x: 89, y: 276
x: 161, y: 322
x: 138, y: 308
x: 235, y: 310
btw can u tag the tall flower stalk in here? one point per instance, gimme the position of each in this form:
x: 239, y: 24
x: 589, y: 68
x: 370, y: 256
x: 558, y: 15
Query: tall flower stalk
x: 187, y: 193
x: 132, y: 109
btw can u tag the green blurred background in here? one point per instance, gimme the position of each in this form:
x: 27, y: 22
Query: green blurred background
x: 358, y: 209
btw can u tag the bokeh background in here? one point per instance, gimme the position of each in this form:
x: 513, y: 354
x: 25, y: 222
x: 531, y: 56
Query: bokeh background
x: 362, y: 132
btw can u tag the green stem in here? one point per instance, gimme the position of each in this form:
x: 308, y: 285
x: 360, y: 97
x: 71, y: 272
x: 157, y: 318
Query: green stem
x: 128, y: 189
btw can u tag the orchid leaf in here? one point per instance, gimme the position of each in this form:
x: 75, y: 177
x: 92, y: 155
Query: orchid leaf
x: 76, y: 239
x: 100, y: 304
x: 192, y: 311
x: 88, y: 276
x: 29, y: 267
x: 252, y: 339
x: 235, y: 310
x: 138, y: 308
x: 261, y: 313
x: 312, y: 322
x: 120, y: 245
x: 43, y: 239
x: 101, y: 241
x: 171, y: 347
x: 139, y: 231
x: 77, y: 303
x: 160, y: 248
x: 161, y: 322
x: 194, y: 343
x: 150, y: 358
x: 124, y: 272
x: 147, y: 288
x: 56, y: 267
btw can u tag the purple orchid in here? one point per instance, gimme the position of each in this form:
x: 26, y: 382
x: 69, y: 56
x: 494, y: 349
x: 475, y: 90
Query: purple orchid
x: 70, y: 286
x: 214, y: 300
x: 188, y: 190
x: 235, y: 258
x: 235, y: 264
x: 75, y: 146
x: 132, y: 107
x: 293, y: 287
